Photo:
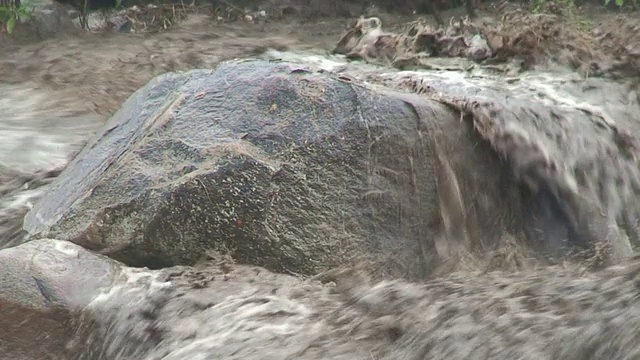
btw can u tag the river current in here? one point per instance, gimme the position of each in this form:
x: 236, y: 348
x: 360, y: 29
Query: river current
x: 158, y: 314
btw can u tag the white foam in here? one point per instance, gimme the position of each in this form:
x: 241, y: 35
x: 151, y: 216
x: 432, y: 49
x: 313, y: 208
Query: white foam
x: 66, y: 247
x: 23, y: 199
x: 39, y: 128
x: 130, y: 281
x: 324, y: 62
x: 238, y: 319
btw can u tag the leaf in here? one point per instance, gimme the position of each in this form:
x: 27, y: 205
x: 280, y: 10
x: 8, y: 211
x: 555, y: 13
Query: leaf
x: 10, y: 24
x: 23, y: 13
x: 5, y: 14
x: 619, y: 3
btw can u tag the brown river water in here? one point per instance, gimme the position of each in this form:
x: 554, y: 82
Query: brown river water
x: 55, y: 94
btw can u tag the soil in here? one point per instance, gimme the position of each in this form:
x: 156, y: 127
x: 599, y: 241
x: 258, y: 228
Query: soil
x: 99, y: 71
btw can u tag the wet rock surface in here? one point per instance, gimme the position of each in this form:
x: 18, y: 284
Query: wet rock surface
x: 46, y: 274
x: 43, y: 283
x: 573, y: 149
x: 283, y: 167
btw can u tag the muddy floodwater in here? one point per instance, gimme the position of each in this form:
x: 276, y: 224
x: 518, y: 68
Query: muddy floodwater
x: 55, y: 94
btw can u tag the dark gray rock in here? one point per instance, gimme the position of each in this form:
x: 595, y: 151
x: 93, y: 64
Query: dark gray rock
x: 43, y: 283
x: 43, y: 274
x: 50, y: 18
x: 284, y: 168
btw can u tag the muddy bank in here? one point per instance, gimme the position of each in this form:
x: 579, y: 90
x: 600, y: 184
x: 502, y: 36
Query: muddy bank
x: 531, y: 40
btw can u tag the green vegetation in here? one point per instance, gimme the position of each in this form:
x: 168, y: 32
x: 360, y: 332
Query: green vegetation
x: 620, y: 3
x: 567, y: 5
x: 9, y: 14
x: 570, y: 5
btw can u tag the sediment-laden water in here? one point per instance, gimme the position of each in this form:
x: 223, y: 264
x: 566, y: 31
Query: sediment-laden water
x: 248, y: 313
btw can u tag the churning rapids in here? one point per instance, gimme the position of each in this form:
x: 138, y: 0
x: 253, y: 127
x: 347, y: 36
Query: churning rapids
x: 559, y: 133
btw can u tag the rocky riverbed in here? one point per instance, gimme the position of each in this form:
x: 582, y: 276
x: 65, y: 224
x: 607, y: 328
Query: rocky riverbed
x: 237, y: 183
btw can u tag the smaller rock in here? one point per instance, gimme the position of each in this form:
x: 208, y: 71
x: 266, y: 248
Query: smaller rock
x: 120, y: 23
x: 47, y: 273
x: 43, y: 283
x: 496, y: 42
x: 51, y: 18
x: 478, y: 49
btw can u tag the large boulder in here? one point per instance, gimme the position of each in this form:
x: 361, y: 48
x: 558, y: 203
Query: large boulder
x: 43, y: 282
x: 287, y: 168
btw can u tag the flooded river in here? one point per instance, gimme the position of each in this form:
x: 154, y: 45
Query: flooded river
x: 55, y: 96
